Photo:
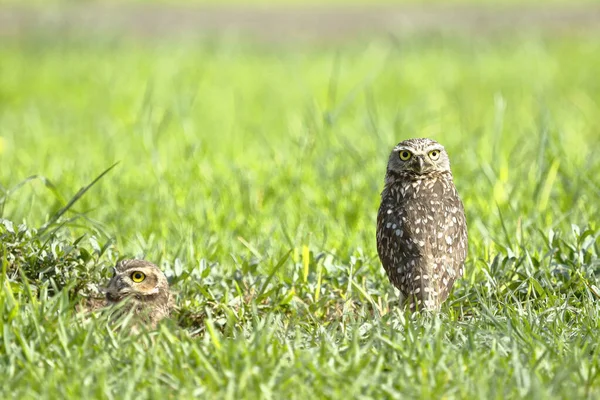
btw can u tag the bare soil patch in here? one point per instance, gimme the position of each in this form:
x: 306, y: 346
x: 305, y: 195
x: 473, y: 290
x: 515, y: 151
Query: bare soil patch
x: 285, y: 23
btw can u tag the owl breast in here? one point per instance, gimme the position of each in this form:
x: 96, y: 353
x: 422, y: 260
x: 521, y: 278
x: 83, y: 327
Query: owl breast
x: 422, y: 238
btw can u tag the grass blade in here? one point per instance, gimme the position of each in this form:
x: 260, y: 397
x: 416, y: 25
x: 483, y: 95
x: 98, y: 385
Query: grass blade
x: 73, y: 200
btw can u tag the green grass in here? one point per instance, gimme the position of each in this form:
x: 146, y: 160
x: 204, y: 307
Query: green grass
x: 252, y: 176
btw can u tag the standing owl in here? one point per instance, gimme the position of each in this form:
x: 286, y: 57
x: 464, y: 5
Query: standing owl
x: 421, y: 224
x: 144, y: 287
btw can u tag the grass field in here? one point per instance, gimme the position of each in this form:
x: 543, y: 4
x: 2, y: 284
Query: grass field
x: 252, y: 175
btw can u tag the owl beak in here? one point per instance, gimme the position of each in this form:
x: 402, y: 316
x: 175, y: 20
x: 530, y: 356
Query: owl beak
x: 420, y: 164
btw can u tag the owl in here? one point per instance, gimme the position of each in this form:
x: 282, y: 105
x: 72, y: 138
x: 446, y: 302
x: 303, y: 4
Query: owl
x: 421, y: 224
x: 144, y: 288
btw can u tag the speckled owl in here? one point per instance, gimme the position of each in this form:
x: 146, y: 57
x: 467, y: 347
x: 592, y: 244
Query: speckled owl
x: 421, y: 224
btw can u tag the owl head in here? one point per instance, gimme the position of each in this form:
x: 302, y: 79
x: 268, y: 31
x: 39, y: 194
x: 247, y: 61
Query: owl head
x: 139, y: 279
x: 418, y: 157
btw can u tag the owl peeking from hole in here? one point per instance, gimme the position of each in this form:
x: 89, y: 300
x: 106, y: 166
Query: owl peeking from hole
x: 143, y: 288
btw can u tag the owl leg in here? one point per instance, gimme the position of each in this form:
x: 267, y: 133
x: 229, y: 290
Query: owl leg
x: 424, y: 303
x: 422, y: 293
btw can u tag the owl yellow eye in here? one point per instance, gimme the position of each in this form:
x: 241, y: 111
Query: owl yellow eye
x: 138, y: 276
x: 434, y: 154
x: 404, y: 155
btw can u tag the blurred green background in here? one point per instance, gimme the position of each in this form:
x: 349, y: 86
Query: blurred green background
x: 234, y: 150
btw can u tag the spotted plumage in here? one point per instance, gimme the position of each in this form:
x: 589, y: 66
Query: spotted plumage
x: 421, y: 225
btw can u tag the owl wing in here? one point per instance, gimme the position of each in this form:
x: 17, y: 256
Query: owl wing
x: 397, y: 243
x: 449, y: 244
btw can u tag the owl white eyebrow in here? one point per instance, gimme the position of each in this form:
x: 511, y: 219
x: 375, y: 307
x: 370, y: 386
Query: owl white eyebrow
x: 403, y: 148
x: 438, y: 148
